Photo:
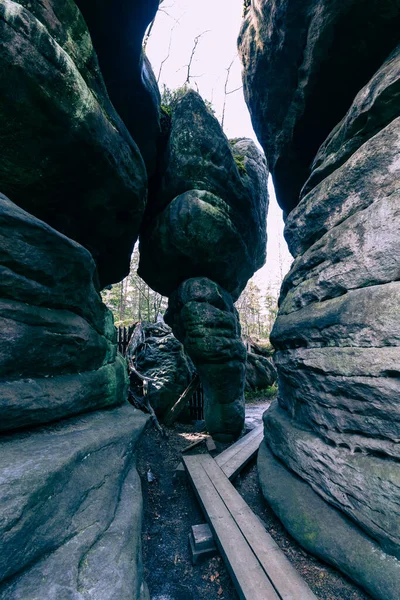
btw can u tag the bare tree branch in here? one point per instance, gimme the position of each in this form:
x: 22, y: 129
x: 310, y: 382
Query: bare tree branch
x: 226, y: 92
x: 189, y: 65
x: 235, y: 90
x: 169, y: 49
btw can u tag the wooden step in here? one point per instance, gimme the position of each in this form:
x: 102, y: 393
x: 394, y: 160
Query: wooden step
x: 258, y: 567
x: 236, y: 457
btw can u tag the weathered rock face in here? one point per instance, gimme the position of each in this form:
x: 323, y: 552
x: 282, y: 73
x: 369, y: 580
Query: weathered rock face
x: 72, y: 510
x: 126, y: 70
x: 71, y: 494
x: 260, y: 372
x: 57, y: 340
x: 337, y: 335
x: 304, y: 62
x: 67, y: 157
x: 325, y: 531
x: 71, y: 497
x: 373, y: 108
x: 160, y: 357
x: 203, y: 318
x: 211, y: 217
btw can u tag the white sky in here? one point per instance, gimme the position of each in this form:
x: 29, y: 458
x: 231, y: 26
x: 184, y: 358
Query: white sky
x: 179, y: 22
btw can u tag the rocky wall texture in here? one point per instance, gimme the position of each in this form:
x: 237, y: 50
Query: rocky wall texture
x: 67, y: 156
x: 260, y: 372
x: 81, y: 138
x: 70, y: 494
x: 161, y: 358
x: 304, y: 62
x: 117, y: 28
x: 337, y: 424
x: 71, y: 498
x: 204, y: 319
x: 208, y: 214
x: 72, y: 510
x: 203, y: 237
x: 57, y: 339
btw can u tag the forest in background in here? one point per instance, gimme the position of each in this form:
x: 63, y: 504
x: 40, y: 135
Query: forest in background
x: 132, y: 300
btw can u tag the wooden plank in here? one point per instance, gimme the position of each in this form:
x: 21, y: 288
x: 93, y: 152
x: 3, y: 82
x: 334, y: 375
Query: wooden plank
x: 247, y: 573
x: 234, y: 465
x: 232, y: 450
x: 284, y: 577
x: 202, y: 438
x: 237, y: 456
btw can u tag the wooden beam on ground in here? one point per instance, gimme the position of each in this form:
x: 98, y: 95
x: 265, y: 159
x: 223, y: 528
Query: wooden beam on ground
x: 237, y: 456
x: 180, y: 404
x: 194, y: 444
x: 258, y: 567
x: 246, y: 571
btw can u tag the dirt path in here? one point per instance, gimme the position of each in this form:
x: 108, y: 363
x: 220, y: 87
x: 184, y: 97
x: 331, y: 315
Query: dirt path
x: 170, y: 509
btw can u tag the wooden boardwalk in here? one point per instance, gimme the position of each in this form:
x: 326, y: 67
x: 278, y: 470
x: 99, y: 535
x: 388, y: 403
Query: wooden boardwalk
x: 258, y: 567
x: 236, y: 457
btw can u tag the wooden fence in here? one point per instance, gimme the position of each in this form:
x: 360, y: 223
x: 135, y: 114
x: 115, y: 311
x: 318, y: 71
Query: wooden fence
x: 196, y: 405
x: 124, y: 334
x: 196, y: 402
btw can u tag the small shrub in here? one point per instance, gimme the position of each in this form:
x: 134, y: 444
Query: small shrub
x: 170, y: 98
x: 265, y: 394
x: 239, y: 161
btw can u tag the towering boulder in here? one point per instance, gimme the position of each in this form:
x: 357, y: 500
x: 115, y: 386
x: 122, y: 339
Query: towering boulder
x: 57, y: 340
x: 208, y: 217
x: 160, y: 357
x: 72, y: 510
x: 203, y: 238
x: 304, y: 62
x: 337, y: 337
x: 67, y: 157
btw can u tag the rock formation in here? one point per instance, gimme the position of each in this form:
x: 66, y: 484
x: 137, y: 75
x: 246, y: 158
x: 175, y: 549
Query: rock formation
x: 67, y: 156
x: 204, y: 238
x: 84, y: 166
x: 71, y: 496
x: 326, y: 109
x: 304, y: 62
x: 260, y: 372
x: 70, y: 491
x: 206, y: 200
x: 58, y: 355
x: 160, y: 357
x: 204, y: 319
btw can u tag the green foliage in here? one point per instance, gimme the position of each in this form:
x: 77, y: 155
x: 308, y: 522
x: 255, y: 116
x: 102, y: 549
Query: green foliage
x: 257, y: 312
x: 238, y: 158
x: 170, y: 98
x: 257, y: 395
x: 239, y: 161
x: 246, y: 6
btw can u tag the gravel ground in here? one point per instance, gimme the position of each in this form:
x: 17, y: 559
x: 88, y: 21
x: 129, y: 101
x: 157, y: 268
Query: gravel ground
x: 171, y: 508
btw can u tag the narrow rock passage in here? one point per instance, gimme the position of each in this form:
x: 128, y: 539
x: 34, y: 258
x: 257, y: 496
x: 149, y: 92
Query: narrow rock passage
x: 171, y: 508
